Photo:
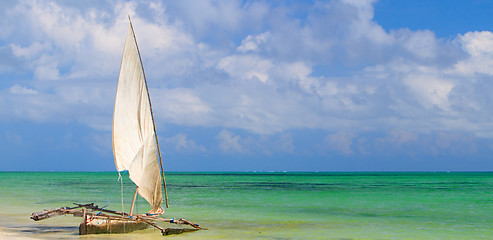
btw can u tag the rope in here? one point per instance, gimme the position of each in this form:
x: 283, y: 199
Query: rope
x: 120, y: 179
x: 123, y: 209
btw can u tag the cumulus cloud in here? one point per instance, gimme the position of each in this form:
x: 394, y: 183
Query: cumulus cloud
x: 479, y: 47
x: 253, y: 66
x: 253, y: 43
x: 430, y: 91
x: 18, y: 89
x: 181, y: 105
x: 181, y: 142
x: 246, y: 67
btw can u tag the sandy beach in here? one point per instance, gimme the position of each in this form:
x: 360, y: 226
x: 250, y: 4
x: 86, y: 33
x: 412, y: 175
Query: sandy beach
x: 5, y: 234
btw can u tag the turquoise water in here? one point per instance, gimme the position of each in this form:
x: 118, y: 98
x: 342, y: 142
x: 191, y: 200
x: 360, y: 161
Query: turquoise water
x: 268, y: 205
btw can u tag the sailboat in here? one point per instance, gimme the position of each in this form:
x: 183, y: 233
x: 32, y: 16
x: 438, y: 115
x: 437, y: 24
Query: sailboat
x: 136, y: 150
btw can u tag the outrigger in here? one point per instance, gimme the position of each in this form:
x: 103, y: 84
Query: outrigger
x: 97, y: 220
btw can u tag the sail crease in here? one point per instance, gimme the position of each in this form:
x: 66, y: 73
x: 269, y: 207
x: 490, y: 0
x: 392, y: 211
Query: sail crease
x: 134, y: 139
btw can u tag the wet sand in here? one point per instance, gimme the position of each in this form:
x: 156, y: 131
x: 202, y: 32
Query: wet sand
x: 5, y: 234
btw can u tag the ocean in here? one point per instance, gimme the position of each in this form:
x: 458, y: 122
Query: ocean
x: 265, y: 205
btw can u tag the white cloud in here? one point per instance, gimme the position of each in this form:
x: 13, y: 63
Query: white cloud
x: 29, y: 52
x: 246, y: 67
x: 180, y: 106
x: 250, y: 65
x: 47, y: 69
x: 216, y: 19
x: 430, y: 90
x: 253, y: 43
x: 229, y: 143
x: 363, y: 26
x: 18, y: 89
x: 479, y: 47
x: 422, y: 44
x: 478, y: 43
x: 298, y: 72
x: 181, y: 142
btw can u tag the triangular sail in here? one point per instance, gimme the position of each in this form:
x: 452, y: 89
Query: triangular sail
x: 134, y: 139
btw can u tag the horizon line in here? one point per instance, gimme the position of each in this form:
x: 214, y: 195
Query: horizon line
x: 255, y: 171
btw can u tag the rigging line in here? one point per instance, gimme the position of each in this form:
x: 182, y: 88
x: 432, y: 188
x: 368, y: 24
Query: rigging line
x: 111, y: 194
x: 123, y: 210
x: 121, y: 182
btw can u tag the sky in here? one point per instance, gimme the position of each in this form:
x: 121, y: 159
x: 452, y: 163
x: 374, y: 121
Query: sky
x: 337, y: 85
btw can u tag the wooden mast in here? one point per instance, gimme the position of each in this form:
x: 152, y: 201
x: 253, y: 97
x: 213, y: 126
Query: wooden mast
x: 133, y: 201
x: 152, y: 116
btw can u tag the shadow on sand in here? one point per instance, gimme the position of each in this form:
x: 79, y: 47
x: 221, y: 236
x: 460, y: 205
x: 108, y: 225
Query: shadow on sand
x: 33, y: 229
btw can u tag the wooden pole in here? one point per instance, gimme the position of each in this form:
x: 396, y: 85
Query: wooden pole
x: 152, y: 224
x: 152, y: 116
x: 133, y: 201
x: 83, y: 224
x: 162, y: 170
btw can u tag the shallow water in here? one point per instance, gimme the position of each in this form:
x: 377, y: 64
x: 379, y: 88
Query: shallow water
x: 267, y: 205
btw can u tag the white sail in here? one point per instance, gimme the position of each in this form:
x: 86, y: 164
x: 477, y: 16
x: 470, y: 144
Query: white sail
x: 134, y: 140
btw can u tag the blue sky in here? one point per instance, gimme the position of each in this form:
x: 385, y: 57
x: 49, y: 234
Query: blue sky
x: 343, y: 85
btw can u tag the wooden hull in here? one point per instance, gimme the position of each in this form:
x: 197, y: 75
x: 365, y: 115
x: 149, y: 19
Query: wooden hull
x: 105, y: 225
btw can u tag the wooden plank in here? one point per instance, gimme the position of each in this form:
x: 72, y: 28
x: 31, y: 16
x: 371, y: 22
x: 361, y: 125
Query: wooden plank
x: 47, y: 214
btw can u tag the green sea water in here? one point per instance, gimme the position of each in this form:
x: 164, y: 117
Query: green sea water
x: 385, y: 205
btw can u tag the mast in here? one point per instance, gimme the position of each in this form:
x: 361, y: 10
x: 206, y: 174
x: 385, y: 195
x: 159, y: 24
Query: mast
x: 133, y: 201
x: 152, y: 116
